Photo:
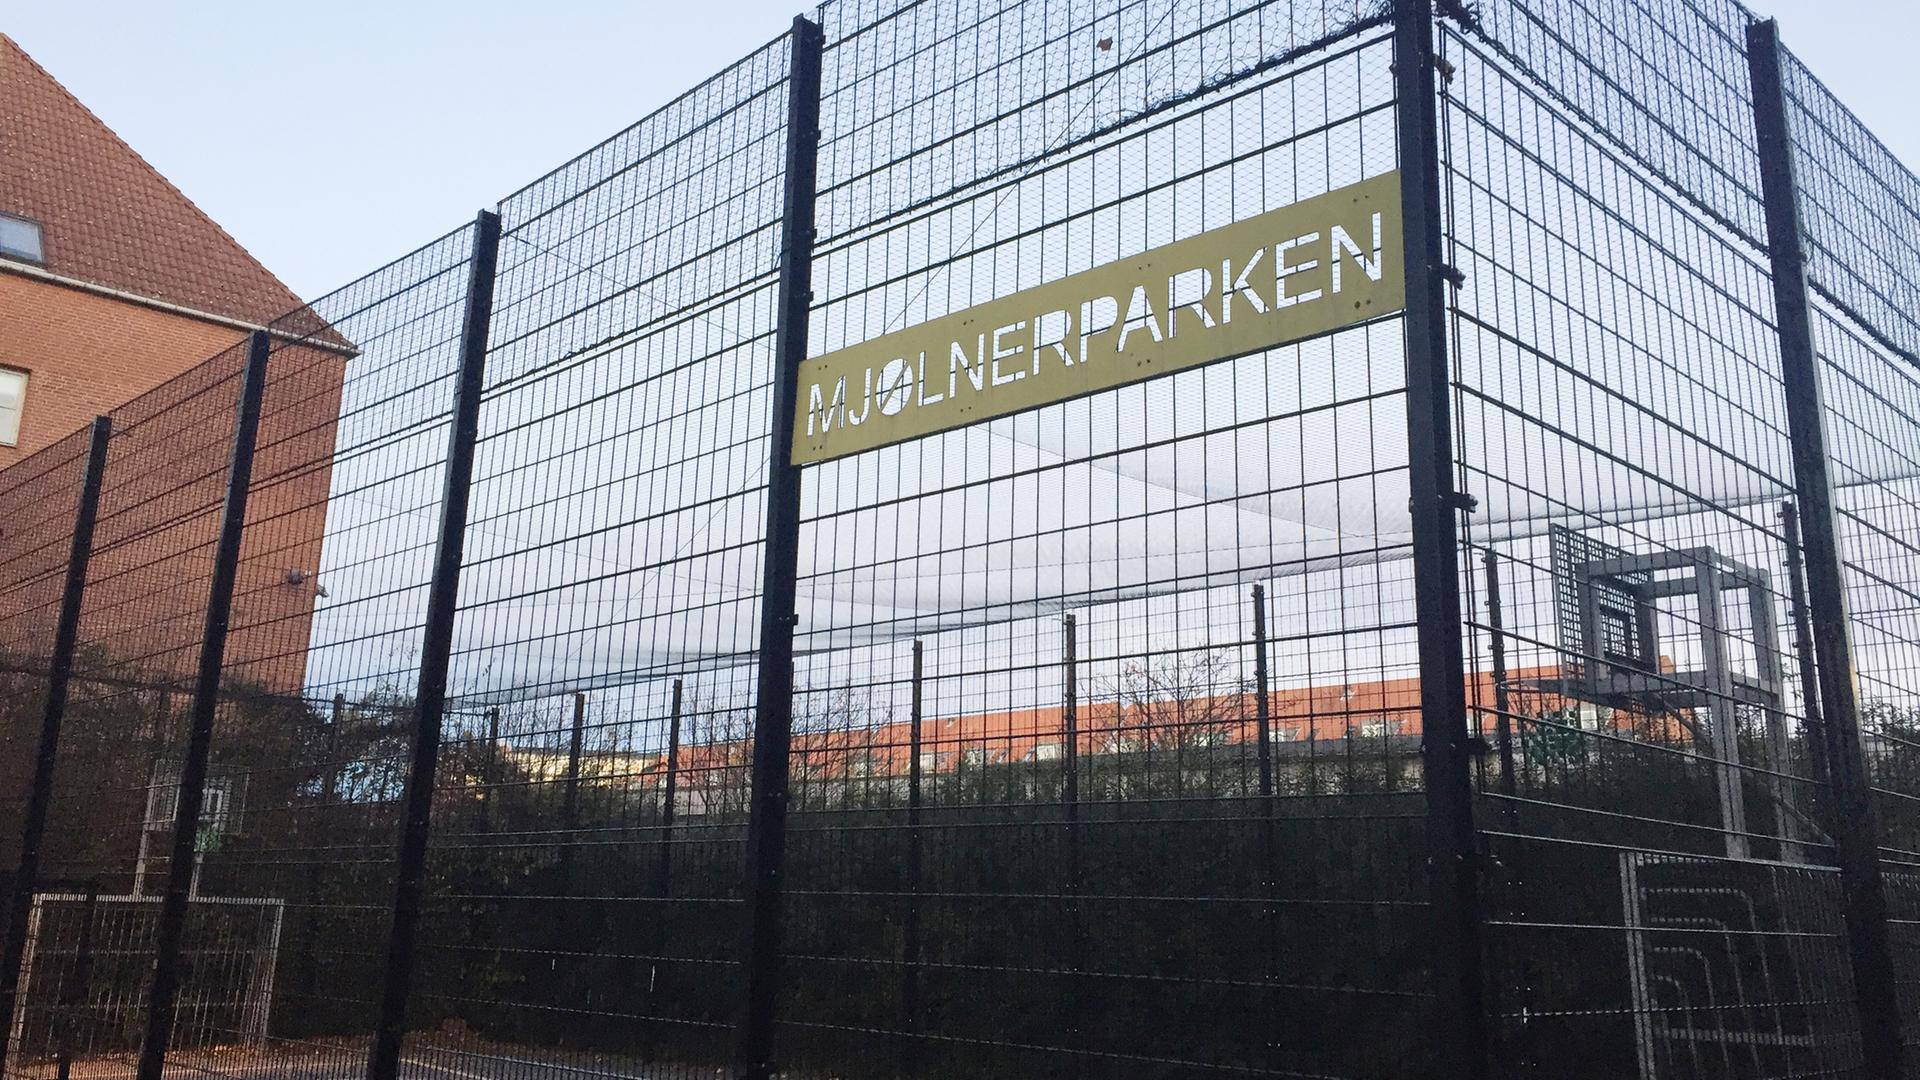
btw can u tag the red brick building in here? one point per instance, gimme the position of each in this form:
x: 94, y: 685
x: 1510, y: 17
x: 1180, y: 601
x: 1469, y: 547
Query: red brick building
x: 113, y: 283
x: 111, y: 280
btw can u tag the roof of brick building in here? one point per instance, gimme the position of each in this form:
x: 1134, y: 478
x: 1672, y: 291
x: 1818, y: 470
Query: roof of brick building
x: 107, y: 217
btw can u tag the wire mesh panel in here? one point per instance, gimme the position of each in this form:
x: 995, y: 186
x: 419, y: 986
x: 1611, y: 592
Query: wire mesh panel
x: 88, y: 956
x: 141, y: 624
x: 1051, y: 854
x: 314, y: 705
x: 579, y: 916
x: 1667, y: 83
x: 34, y: 547
x: 140, y: 632
x: 1657, y: 826
x: 1870, y: 399
x: 1861, y: 208
x: 310, y: 745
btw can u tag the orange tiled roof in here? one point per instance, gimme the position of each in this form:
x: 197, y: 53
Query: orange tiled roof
x: 107, y: 217
x: 1306, y: 714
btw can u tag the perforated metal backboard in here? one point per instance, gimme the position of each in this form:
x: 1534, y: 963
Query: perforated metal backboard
x: 1617, y: 611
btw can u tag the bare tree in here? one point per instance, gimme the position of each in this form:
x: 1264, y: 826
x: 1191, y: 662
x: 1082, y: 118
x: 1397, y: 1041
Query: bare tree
x: 1174, y: 718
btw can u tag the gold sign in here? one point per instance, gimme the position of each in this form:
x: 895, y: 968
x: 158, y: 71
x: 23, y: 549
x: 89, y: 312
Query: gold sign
x: 1287, y: 275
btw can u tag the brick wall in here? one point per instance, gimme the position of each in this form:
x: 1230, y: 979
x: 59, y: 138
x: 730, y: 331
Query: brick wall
x: 86, y: 354
x: 171, y: 382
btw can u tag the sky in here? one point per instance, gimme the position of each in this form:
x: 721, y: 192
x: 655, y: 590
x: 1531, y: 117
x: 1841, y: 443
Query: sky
x: 329, y: 139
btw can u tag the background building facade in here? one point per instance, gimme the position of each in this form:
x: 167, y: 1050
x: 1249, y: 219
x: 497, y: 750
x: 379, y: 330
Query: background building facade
x: 112, y: 284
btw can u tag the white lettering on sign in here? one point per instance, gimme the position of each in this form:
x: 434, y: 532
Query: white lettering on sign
x: 1283, y: 276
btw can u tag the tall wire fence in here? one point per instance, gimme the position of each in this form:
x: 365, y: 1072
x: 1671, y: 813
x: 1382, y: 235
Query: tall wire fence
x: 414, y: 714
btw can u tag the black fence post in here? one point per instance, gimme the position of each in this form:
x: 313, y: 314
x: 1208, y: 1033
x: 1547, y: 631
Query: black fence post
x: 1262, y: 702
x: 670, y: 793
x: 66, y: 638
x: 436, y: 650
x: 1460, y: 1034
x: 1857, y: 832
x: 910, y: 947
x: 1269, y: 831
x: 74, y: 989
x: 570, y: 794
x: 773, y: 698
x: 1819, y: 736
x: 663, y: 870
x: 1497, y: 653
x: 490, y: 771
x: 1070, y: 722
x: 330, y: 786
x: 171, y: 923
x: 1070, y: 797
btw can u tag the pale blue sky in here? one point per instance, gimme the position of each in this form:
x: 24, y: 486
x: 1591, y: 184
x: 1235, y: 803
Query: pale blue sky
x: 331, y: 138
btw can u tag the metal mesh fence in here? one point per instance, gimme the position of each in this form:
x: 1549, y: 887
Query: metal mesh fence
x: 1621, y: 421
x: 83, y: 970
x: 141, y: 626
x: 1870, y: 397
x: 1860, y: 206
x: 1110, y: 753
x: 138, y: 644
x: 1014, y: 862
x: 325, y: 639
x: 38, y: 542
x: 613, y: 554
x: 1664, y: 84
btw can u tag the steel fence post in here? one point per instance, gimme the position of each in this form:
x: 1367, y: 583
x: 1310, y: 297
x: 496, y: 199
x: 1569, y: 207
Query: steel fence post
x: 1269, y: 833
x: 1857, y: 832
x: 1070, y: 799
x: 1460, y: 1034
x: 330, y: 785
x: 73, y: 989
x: 773, y: 697
x: 570, y: 794
x: 436, y: 649
x: 66, y: 637
x: 1070, y: 722
x: 1819, y: 735
x: 171, y: 922
x: 1262, y: 704
x: 670, y: 792
x: 490, y: 771
x: 910, y: 946
x: 663, y: 868
x: 1497, y: 653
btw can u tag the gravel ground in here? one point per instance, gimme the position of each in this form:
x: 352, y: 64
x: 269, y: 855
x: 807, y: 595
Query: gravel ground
x: 426, y: 1058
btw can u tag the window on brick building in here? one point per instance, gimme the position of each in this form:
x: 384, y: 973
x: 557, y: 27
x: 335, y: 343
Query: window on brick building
x: 20, y: 239
x: 13, y: 401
